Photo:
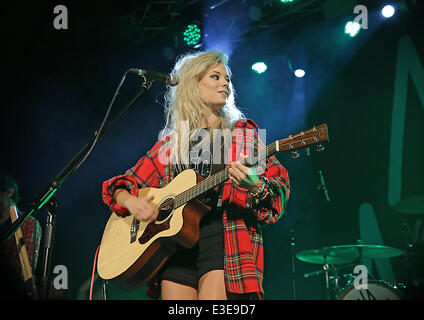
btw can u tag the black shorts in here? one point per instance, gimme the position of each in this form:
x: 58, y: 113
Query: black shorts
x: 187, y: 266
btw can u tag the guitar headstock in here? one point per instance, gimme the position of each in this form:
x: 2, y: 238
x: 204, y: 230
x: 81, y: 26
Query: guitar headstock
x: 304, y: 139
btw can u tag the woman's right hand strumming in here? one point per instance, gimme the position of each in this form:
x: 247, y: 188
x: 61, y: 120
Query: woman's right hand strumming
x: 140, y: 208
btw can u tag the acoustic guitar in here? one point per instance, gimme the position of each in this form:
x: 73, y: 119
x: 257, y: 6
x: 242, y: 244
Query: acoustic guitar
x: 132, y: 251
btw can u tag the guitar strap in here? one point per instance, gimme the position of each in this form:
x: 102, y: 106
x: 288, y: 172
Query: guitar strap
x: 216, y: 167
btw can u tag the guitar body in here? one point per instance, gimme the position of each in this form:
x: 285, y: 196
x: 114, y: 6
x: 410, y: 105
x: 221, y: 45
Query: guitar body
x: 132, y: 252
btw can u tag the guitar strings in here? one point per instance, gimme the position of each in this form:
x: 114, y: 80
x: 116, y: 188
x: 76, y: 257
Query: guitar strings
x: 221, y: 176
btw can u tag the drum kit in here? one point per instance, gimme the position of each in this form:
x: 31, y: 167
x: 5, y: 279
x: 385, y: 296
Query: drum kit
x: 348, y: 286
x: 335, y: 260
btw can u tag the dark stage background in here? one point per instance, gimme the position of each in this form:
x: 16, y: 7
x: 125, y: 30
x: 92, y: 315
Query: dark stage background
x: 57, y: 85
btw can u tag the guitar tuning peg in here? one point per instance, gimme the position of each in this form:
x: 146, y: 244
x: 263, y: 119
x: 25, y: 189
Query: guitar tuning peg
x: 294, y: 154
x: 319, y: 147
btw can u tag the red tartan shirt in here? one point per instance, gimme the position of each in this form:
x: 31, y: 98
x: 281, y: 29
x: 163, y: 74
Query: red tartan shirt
x: 243, y: 213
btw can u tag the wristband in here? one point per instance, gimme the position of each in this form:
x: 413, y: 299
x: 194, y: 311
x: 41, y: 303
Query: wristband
x: 259, y: 190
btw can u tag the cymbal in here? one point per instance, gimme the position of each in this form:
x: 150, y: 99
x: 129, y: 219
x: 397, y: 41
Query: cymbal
x: 323, y: 256
x: 348, y: 253
x: 367, y: 251
x: 414, y: 204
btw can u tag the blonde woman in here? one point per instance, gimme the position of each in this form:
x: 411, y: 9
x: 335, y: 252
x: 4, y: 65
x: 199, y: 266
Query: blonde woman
x: 227, y: 261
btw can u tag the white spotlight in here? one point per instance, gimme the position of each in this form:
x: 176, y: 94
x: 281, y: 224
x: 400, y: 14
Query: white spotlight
x: 388, y: 11
x: 300, y: 73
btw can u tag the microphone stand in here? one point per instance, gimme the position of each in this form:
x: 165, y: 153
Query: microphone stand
x: 53, y: 186
x: 292, y: 240
x: 293, y: 270
x: 52, y: 206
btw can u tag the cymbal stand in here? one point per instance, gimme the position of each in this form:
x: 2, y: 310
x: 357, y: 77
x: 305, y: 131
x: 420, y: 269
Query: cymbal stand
x: 336, y: 279
x: 326, y: 268
x: 331, y: 281
x: 409, y: 244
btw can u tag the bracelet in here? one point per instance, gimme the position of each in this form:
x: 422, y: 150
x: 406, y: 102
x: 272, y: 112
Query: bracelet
x: 259, y: 190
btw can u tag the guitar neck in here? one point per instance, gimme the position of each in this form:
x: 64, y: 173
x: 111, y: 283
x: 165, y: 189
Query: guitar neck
x: 304, y: 139
x: 221, y: 176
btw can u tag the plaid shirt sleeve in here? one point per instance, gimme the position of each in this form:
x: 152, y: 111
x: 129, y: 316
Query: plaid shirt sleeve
x: 146, y: 173
x: 274, y: 185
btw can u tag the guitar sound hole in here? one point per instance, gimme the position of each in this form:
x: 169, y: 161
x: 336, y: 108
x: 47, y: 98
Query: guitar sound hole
x: 166, y: 208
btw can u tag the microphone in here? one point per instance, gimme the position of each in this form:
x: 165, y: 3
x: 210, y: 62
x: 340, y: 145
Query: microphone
x: 171, y: 79
x: 323, y: 186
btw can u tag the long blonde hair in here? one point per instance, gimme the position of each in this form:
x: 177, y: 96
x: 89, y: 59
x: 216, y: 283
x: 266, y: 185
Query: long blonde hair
x: 184, y: 104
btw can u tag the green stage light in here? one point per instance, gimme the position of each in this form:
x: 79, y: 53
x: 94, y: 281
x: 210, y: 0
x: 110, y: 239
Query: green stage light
x: 259, y: 67
x: 352, y: 28
x: 286, y: 1
x: 192, y: 34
